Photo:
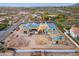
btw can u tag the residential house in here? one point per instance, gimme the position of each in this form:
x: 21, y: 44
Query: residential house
x: 74, y: 32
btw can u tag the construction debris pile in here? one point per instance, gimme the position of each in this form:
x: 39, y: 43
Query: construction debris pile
x: 42, y: 40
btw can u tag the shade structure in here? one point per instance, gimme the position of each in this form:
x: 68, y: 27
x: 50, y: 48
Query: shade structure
x: 26, y: 26
x: 51, y: 26
x: 34, y: 25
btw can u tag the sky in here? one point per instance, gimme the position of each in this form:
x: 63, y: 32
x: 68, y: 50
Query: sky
x: 35, y: 4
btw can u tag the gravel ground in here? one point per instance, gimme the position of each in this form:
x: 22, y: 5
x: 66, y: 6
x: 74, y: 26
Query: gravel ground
x: 22, y: 41
x: 19, y: 39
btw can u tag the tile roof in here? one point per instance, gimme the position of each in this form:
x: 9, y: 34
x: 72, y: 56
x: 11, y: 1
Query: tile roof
x: 75, y: 30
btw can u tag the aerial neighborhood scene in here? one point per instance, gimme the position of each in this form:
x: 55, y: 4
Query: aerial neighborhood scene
x: 39, y: 29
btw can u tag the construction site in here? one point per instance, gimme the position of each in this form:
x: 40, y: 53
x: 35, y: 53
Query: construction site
x: 38, y: 42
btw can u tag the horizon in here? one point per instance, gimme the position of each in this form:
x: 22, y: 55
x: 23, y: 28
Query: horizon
x: 35, y: 4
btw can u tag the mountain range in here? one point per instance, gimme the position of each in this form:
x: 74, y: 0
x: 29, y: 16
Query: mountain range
x: 77, y: 4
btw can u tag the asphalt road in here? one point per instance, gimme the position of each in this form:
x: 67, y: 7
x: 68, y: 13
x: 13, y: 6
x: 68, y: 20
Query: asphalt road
x: 4, y: 34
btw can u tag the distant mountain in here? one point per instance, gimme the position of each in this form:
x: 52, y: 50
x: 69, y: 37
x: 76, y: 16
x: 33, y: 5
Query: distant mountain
x: 76, y: 4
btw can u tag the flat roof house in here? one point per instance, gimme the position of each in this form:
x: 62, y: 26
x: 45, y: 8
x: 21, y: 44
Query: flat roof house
x: 74, y: 32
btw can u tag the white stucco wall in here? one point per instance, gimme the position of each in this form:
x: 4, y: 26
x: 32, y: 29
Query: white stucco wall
x: 73, y: 34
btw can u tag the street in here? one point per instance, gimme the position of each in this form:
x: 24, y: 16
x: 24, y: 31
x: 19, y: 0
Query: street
x: 4, y: 34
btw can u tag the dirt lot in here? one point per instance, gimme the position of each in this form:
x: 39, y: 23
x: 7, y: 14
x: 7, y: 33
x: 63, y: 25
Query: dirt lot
x: 19, y: 40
